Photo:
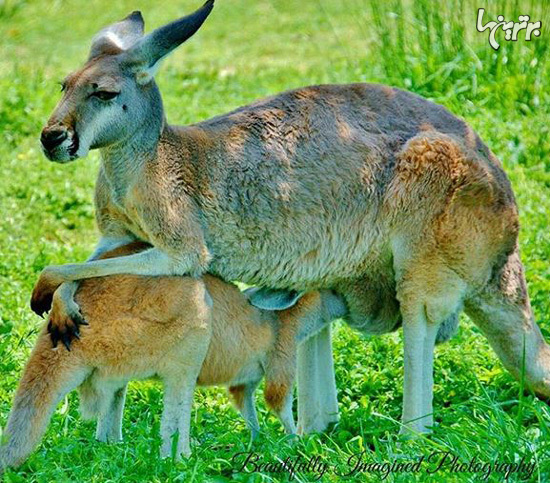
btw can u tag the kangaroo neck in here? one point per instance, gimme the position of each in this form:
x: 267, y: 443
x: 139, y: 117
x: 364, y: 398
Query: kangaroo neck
x: 122, y: 161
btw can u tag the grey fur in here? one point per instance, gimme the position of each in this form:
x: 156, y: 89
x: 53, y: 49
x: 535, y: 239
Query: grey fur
x: 119, y: 36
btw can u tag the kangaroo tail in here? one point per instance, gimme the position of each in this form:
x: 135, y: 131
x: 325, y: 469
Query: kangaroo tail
x: 503, y: 313
x: 48, y: 376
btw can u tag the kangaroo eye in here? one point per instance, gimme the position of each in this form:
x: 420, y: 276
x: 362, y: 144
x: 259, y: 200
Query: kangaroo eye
x: 105, y: 95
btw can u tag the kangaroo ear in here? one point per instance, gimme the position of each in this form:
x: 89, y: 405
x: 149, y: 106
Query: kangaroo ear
x: 270, y: 299
x: 118, y: 37
x: 146, y: 54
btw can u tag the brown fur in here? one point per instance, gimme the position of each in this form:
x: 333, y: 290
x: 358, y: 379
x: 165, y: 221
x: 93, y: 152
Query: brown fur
x: 145, y: 326
x: 237, y: 395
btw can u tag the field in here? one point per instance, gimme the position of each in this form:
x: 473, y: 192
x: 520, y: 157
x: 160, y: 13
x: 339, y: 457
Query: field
x: 248, y: 50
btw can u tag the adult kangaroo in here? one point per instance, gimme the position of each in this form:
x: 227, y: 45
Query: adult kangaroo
x: 373, y: 192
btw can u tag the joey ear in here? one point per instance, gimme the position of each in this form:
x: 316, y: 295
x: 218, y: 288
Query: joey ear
x: 146, y: 54
x: 119, y: 36
x: 271, y: 299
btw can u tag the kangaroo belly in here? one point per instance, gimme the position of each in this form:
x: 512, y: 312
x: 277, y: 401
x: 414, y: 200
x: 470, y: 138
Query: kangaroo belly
x: 371, y: 300
x: 300, y: 254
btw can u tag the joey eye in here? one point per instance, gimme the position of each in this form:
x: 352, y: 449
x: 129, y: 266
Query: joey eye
x: 105, y: 95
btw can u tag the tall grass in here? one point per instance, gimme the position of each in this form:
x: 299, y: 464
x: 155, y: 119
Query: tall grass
x: 9, y: 7
x: 434, y: 47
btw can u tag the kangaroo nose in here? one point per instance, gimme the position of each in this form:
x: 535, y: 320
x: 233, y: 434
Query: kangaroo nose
x: 53, y: 137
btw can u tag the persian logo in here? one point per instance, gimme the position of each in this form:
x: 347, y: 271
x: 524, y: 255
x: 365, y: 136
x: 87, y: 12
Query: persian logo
x: 510, y: 28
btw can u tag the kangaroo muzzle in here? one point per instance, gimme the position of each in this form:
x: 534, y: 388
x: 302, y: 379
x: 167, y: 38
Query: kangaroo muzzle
x: 59, y: 143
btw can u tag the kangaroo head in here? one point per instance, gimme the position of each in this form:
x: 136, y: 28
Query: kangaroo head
x: 114, y: 94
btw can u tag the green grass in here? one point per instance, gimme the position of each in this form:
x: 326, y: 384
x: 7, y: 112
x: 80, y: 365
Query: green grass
x: 248, y: 50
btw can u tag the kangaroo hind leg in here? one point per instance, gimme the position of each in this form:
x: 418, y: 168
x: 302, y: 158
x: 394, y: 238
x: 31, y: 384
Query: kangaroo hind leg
x: 430, y: 295
x: 243, y: 397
